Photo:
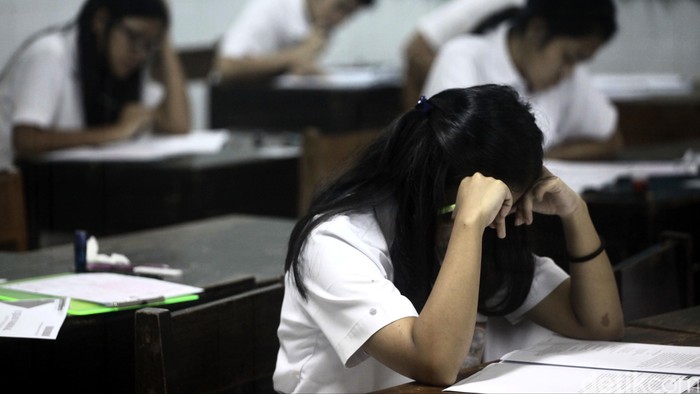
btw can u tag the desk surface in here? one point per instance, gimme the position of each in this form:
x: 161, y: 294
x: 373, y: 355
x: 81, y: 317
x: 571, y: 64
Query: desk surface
x: 94, y: 353
x: 248, y: 176
x: 208, y: 251
x: 681, y: 328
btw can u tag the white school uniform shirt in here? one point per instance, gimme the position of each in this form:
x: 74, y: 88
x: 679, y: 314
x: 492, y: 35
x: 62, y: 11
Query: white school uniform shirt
x: 351, y: 295
x: 265, y: 27
x: 457, y: 17
x: 41, y: 88
x: 573, y: 108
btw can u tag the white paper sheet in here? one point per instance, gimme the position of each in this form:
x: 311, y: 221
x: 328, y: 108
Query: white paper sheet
x: 564, y: 365
x: 527, y: 378
x: 148, y: 147
x: 109, y: 289
x: 580, y: 175
x: 35, y: 318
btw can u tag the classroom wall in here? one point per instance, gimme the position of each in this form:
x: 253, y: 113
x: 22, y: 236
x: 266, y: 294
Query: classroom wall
x: 655, y: 35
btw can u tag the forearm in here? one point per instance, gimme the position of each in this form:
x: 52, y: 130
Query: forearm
x: 594, y: 295
x: 254, y: 68
x: 32, y: 140
x: 432, y: 347
x: 587, y: 149
x: 445, y: 326
x: 173, y: 115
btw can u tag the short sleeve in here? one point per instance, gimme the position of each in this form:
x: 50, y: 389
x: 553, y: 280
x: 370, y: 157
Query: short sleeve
x: 38, y: 81
x: 452, y: 68
x: 349, y: 294
x: 589, y: 113
x: 458, y: 17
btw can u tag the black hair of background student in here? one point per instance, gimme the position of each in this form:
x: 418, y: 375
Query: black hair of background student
x: 413, y: 163
x: 103, y: 94
x: 567, y: 18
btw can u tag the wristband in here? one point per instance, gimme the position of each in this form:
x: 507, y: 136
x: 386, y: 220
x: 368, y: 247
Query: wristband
x: 588, y: 257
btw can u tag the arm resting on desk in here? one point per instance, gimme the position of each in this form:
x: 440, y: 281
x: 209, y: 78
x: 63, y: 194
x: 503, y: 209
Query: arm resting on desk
x: 173, y: 115
x: 587, y: 149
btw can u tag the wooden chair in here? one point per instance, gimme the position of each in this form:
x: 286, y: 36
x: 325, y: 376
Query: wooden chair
x: 13, y: 215
x: 228, y: 345
x: 324, y: 156
x: 658, y: 279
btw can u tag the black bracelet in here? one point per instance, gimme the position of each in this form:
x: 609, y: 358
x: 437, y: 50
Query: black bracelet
x: 588, y: 257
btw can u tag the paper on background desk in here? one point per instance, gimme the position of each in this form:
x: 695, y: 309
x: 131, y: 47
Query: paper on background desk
x: 36, y: 318
x: 148, y: 147
x: 339, y: 77
x: 581, y: 175
x: 105, y: 288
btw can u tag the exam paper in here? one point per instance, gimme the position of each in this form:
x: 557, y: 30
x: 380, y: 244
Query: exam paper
x: 34, y: 318
x: 105, y: 288
x: 582, y: 175
x: 611, y: 355
x: 148, y: 147
x: 511, y: 377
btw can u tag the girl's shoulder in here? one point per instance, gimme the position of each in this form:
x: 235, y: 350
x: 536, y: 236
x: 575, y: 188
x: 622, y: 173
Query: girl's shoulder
x: 50, y: 46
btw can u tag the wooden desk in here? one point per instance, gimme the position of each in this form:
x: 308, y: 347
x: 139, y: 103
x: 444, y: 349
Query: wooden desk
x: 223, y: 255
x: 309, y: 102
x: 111, y: 197
x: 631, y: 220
x: 336, y: 115
x: 680, y: 328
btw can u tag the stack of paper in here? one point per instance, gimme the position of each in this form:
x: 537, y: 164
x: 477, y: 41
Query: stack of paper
x: 563, y: 365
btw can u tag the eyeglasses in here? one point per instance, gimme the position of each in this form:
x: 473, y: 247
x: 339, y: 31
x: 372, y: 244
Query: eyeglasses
x: 138, y: 40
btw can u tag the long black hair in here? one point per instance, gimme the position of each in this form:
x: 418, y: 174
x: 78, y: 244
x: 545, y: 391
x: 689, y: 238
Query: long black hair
x: 412, y: 164
x: 563, y: 18
x: 103, y: 94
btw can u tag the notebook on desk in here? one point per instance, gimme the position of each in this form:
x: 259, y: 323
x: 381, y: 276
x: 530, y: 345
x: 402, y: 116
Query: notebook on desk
x: 100, y: 292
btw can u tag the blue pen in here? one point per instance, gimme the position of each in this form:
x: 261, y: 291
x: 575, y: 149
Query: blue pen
x: 80, y: 246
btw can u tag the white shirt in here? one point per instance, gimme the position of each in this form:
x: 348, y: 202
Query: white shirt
x: 265, y: 27
x: 42, y: 88
x: 571, y: 109
x: 457, y: 17
x: 351, y: 295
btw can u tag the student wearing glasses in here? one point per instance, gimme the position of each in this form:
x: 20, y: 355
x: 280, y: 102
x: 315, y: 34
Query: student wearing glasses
x: 273, y: 37
x: 88, y: 82
x: 541, y: 51
x: 404, y: 258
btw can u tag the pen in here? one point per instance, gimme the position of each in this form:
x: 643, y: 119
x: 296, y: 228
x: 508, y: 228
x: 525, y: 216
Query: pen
x: 80, y: 246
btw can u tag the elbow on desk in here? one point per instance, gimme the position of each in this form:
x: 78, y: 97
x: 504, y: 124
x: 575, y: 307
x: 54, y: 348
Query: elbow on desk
x: 436, y: 374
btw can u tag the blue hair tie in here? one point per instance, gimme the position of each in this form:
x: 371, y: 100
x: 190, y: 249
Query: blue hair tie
x: 424, y: 105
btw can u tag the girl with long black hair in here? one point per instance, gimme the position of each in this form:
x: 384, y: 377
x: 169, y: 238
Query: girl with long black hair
x: 403, y: 257
x: 88, y: 82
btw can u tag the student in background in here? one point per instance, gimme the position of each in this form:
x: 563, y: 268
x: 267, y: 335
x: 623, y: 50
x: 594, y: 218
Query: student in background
x: 87, y: 82
x: 433, y: 30
x: 401, y: 258
x: 273, y: 37
x: 539, y: 52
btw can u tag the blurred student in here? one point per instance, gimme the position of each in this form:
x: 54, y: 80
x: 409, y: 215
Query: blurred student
x: 273, y: 37
x: 453, y: 18
x: 87, y: 82
x: 422, y: 243
x: 539, y: 52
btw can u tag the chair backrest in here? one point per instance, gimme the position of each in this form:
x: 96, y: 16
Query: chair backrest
x: 227, y: 345
x: 13, y: 215
x: 657, y: 279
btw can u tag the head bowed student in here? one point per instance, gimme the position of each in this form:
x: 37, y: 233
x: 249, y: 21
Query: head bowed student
x: 273, y: 37
x: 541, y: 51
x: 89, y: 81
x: 408, y: 257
